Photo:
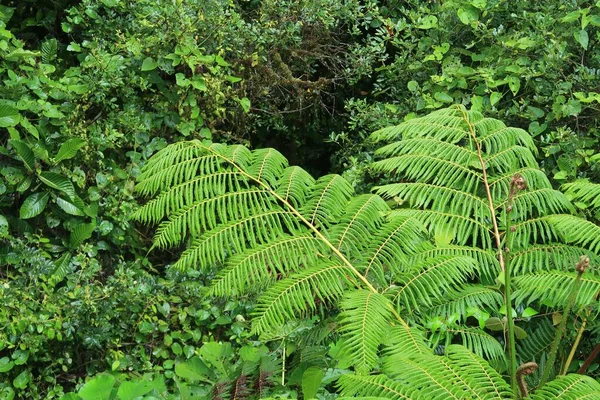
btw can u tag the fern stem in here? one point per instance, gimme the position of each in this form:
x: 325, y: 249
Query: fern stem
x: 501, y: 259
x: 574, y: 347
x: 512, y: 348
x: 487, y: 189
x: 581, y: 266
x: 311, y: 226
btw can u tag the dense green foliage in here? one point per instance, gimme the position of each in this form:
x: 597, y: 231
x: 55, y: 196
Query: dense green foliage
x: 329, y: 261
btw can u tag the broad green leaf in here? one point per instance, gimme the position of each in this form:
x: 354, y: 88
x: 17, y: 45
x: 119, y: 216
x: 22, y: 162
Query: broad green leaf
x: 34, y: 205
x: 443, y: 97
x: 3, y: 227
x: 98, y: 388
x: 193, y: 369
x: 428, y: 22
x: 495, y: 98
x: 572, y: 16
x: 24, y: 152
x: 60, y: 269
x: 69, y: 207
x: 514, y: 83
x: 149, y: 64
x: 21, y: 381
x: 58, y: 182
x: 468, y: 14
x: 135, y: 389
x: 311, y: 380
x: 582, y: 38
x: 6, y: 364
x: 529, y: 312
x: 69, y: 149
x: 494, y: 324
x: 520, y: 333
x: 20, y: 356
x: 245, y: 103
x: 81, y: 233
x: 9, y: 116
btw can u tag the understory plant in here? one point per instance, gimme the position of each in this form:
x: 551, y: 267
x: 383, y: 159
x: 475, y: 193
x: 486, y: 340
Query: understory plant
x: 469, y: 216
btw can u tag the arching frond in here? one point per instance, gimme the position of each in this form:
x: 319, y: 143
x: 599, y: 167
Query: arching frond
x: 571, y: 387
x: 480, y: 342
x: 328, y: 200
x: 534, y: 176
x: 374, y: 386
x: 555, y: 286
x: 538, y: 202
x: 363, y: 215
x: 225, y: 208
x: 213, y: 246
x: 247, y: 270
x: 460, y: 374
x: 547, y: 257
x: 299, y: 294
x: 459, y: 301
x: 388, y: 246
x: 427, y: 281
x: 439, y: 198
x: 365, y: 321
x: 495, y: 136
x: 584, y: 191
x: 295, y: 185
x: 464, y: 228
x: 577, y: 231
x: 432, y: 169
x: 537, y: 342
x: 488, y: 266
x: 404, y: 342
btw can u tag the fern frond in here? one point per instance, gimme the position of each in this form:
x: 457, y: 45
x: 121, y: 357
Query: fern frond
x: 459, y: 375
x: 404, y: 342
x: 187, y: 193
x: 459, y: 301
x: 537, y: 343
x: 483, y: 380
x: 464, y: 228
x: 571, y: 387
x: 480, y: 343
x: 577, y: 231
x: 555, y: 286
x: 431, y: 169
x: 534, y: 176
x: 538, y: 202
x: 584, y: 191
x: 510, y: 159
x: 547, y: 257
x: 297, y: 295
x: 263, y: 263
x: 427, y: 281
x: 374, y: 386
x: 267, y: 165
x: 494, y: 136
x: 294, y: 185
x: 365, y: 321
x: 328, y: 200
x: 207, y: 214
x: 439, y: 198
x: 389, y: 245
x: 217, y: 244
x: 178, y: 163
x: 363, y: 215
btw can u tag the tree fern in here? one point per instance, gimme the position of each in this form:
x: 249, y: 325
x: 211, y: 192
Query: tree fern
x: 309, y: 247
x: 263, y: 227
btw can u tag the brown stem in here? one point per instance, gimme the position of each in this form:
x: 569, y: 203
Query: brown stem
x: 487, y: 191
x: 523, y: 370
x: 589, y: 360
